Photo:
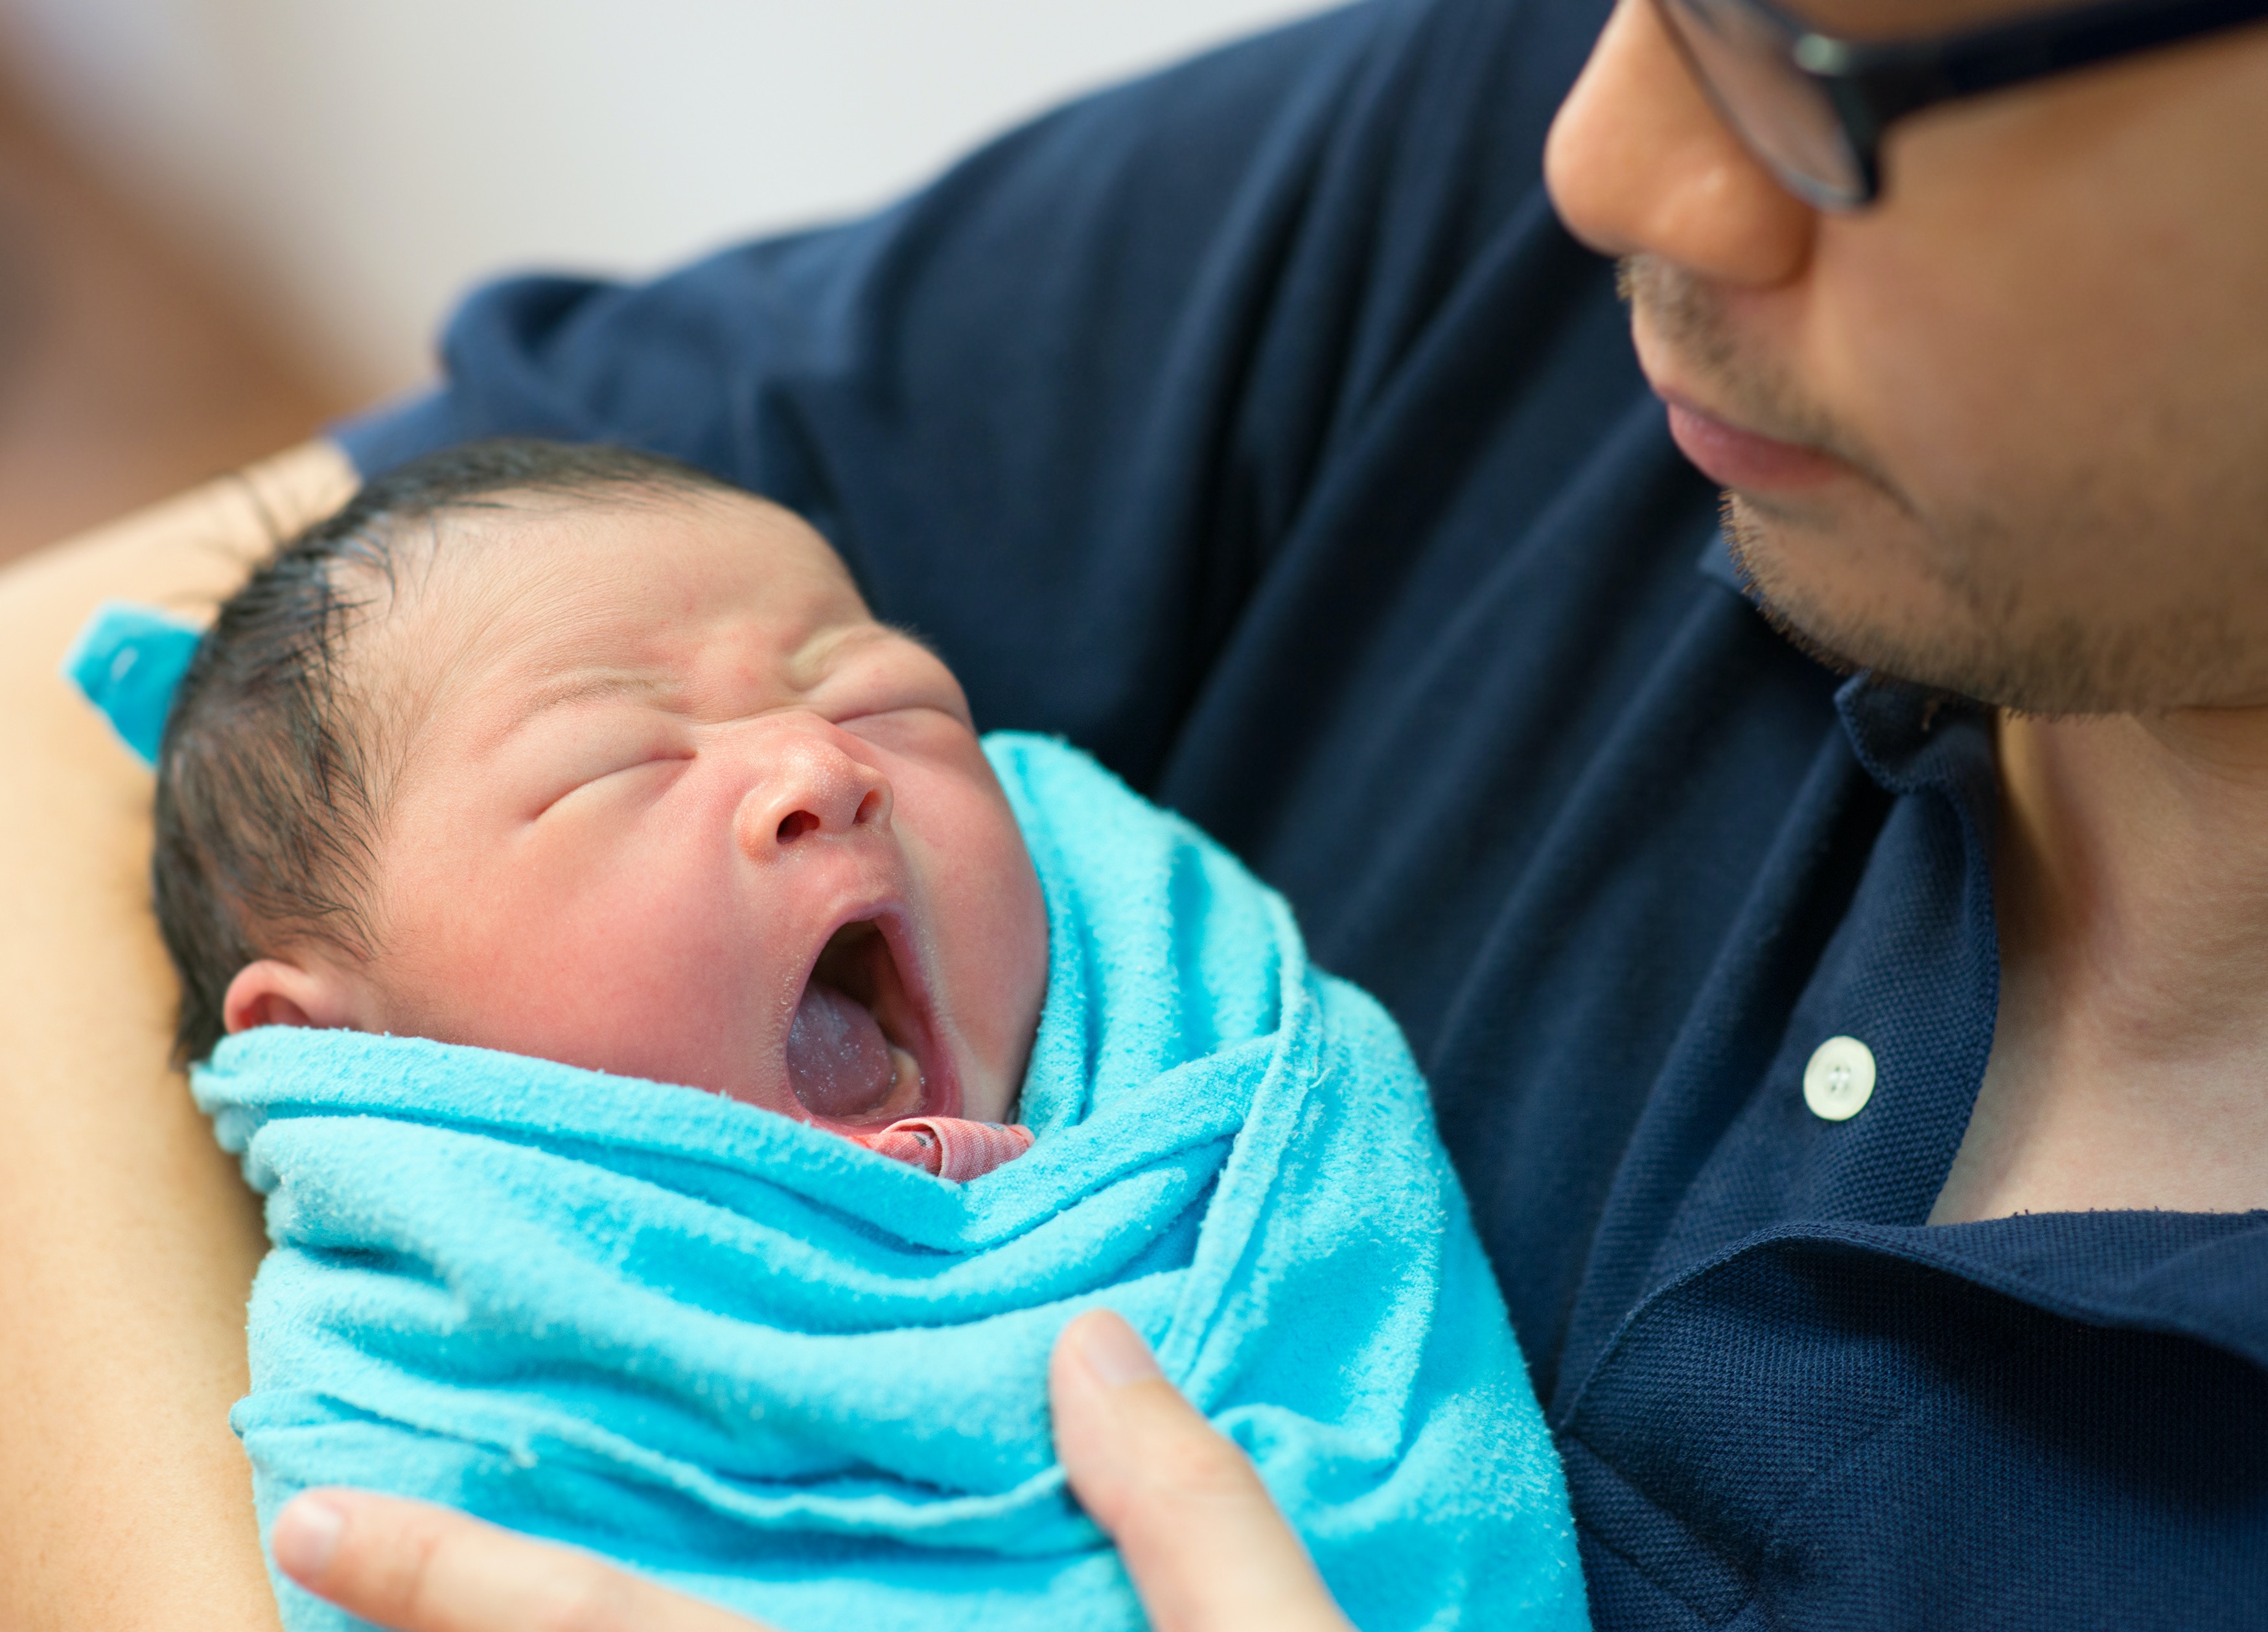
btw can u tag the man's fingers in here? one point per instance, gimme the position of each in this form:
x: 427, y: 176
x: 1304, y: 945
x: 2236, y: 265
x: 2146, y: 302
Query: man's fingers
x: 1206, y: 1547
x: 417, y: 1568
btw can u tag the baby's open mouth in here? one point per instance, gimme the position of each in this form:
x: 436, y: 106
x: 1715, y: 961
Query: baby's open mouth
x: 855, y: 1048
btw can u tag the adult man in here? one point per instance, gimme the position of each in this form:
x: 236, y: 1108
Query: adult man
x: 1278, y: 361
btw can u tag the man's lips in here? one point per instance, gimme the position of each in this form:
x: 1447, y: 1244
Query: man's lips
x: 1744, y: 459
x: 1676, y: 318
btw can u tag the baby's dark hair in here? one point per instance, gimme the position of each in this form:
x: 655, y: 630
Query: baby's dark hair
x: 270, y: 799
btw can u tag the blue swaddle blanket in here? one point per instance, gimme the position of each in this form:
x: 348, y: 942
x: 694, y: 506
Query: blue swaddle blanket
x: 763, y: 1365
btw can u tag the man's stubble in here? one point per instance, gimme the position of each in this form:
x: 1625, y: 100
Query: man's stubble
x: 2049, y: 593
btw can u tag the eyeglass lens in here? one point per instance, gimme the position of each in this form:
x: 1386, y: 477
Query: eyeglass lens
x: 1743, y: 59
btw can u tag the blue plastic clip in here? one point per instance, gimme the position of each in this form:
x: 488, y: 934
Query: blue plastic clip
x: 130, y: 660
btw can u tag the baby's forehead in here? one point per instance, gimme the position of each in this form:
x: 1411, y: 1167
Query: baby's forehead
x: 508, y: 592
x: 617, y: 551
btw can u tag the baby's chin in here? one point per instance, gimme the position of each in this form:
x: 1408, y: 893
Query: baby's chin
x: 989, y: 1096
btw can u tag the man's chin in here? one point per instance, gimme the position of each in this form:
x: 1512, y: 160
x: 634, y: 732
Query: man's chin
x: 2000, y: 648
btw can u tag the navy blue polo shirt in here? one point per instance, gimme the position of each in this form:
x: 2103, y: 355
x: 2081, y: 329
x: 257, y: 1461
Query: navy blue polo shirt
x: 1256, y: 427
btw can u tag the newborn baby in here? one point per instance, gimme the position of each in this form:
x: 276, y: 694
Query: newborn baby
x: 661, y: 799
x: 545, y: 786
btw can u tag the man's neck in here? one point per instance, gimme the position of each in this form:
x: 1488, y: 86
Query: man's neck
x: 2130, y: 1064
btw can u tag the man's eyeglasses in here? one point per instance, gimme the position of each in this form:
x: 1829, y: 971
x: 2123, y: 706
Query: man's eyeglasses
x: 1815, y: 107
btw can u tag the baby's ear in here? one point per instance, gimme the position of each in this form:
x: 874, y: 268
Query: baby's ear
x: 275, y: 993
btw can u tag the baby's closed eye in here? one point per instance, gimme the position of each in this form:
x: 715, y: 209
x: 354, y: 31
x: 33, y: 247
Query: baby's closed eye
x: 588, y: 763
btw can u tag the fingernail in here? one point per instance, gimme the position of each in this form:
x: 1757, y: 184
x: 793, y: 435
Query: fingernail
x: 1114, y: 1351
x: 306, y: 1534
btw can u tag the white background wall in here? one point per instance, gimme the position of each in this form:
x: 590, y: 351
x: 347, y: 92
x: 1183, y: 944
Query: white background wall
x: 354, y: 163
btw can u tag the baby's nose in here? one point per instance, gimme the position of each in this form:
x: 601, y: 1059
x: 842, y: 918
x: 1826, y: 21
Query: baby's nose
x: 808, y: 787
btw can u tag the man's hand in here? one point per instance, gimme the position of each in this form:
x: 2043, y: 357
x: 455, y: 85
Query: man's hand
x: 417, y: 1568
x: 1200, y: 1536
x: 1198, y: 1532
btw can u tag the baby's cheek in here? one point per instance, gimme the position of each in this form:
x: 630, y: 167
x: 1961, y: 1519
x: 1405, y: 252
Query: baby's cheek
x: 625, y: 970
x: 653, y: 982
x: 1000, y: 927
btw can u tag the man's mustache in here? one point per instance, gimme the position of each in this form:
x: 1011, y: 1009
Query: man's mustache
x: 1686, y: 317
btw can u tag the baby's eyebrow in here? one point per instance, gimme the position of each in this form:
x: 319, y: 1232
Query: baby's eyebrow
x: 590, y: 685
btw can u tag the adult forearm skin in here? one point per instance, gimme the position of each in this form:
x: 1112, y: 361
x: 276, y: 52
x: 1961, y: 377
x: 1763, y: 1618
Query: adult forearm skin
x: 127, y: 1239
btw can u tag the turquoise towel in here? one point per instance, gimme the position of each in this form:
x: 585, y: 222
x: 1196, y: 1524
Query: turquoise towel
x: 763, y: 1365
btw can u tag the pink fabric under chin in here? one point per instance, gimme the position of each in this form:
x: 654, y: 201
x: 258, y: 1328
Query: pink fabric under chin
x: 950, y: 1147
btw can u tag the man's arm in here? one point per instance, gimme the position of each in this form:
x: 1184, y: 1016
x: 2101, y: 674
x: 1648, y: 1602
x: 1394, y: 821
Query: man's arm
x: 130, y: 1240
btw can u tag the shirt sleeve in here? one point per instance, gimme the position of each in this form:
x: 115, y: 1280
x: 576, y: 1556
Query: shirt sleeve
x: 1058, y: 408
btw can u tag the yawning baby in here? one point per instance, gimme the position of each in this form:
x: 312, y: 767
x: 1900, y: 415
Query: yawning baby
x: 658, y: 797
x: 568, y: 874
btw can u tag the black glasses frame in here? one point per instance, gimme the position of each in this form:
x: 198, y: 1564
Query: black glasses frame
x: 1870, y: 84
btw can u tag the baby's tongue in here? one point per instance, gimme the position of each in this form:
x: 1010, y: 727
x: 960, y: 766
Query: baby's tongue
x: 837, y: 1060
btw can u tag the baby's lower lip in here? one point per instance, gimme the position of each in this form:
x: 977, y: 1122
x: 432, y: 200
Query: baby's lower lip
x: 1738, y: 459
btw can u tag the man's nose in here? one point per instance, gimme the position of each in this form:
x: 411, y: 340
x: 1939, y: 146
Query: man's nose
x: 1639, y: 163
x: 809, y: 786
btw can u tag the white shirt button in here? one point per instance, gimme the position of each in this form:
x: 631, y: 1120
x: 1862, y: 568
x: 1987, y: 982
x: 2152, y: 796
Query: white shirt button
x: 1840, y: 1079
